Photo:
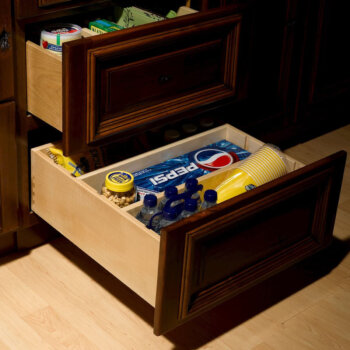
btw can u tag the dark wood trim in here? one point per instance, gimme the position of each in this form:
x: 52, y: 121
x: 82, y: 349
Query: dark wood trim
x: 8, y: 169
x: 45, y: 3
x: 27, y: 10
x: 24, y: 123
x: 317, y: 48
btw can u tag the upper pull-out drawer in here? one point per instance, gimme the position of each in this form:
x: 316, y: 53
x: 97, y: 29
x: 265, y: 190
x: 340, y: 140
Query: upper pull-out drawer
x: 202, y: 261
x: 115, y: 83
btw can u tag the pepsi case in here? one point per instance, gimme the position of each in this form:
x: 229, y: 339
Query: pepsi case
x: 176, y: 171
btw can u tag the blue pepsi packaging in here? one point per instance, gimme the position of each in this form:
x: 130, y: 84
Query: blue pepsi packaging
x: 194, y: 164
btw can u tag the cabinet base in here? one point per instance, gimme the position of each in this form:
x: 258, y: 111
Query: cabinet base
x: 7, y: 243
x: 36, y: 235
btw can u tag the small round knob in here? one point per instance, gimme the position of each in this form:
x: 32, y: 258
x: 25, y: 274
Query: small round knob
x: 164, y: 79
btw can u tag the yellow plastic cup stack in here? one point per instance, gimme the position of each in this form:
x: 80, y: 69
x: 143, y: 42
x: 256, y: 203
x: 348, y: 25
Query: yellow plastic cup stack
x: 260, y: 167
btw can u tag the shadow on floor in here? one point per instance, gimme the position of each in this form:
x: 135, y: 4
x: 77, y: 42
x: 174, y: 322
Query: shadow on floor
x: 13, y: 256
x: 223, y: 318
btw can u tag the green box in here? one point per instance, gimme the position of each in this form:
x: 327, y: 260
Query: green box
x: 104, y: 26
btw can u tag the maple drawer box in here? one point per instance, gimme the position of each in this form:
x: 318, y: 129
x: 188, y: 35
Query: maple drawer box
x: 202, y: 261
x: 106, y: 85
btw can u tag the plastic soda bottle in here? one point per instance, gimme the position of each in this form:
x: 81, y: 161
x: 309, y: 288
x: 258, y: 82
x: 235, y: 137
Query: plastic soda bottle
x: 148, y: 210
x: 210, y: 198
x: 265, y: 165
x: 190, y: 207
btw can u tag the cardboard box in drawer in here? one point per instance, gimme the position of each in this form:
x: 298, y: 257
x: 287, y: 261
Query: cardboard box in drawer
x: 133, y: 16
x: 177, y: 170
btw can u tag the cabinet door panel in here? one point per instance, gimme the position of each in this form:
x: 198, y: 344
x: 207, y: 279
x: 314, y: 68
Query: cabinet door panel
x: 330, y: 70
x: 8, y: 169
x: 6, y: 49
x: 324, y: 79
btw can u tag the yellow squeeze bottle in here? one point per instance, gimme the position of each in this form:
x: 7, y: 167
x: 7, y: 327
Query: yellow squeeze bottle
x: 68, y: 163
x: 260, y: 167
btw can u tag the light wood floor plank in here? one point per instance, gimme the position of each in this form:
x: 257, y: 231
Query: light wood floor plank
x: 58, y: 332
x: 15, y: 333
x: 22, y: 299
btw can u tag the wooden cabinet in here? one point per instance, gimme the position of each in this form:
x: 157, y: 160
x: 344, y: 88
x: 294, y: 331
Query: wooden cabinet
x: 245, y: 64
x: 8, y: 169
x: 202, y: 261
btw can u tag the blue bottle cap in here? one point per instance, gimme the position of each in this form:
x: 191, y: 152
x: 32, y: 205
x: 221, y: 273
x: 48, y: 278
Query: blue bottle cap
x: 210, y: 196
x: 169, y: 213
x: 150, y: 200
x: 191, y: 204
x: 191, y: 183
x: 170, y: 191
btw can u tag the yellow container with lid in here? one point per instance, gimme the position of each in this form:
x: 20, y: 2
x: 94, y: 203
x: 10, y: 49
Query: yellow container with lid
x: 265, y: 165
x: 119, y: 188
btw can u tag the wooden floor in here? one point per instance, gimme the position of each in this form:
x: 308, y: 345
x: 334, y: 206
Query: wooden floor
x: 55, y: 297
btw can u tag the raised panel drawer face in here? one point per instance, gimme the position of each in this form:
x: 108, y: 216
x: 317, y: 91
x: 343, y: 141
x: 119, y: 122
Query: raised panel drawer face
x: 108, y: 85
x: 200, y: 262
x: 138, y: 84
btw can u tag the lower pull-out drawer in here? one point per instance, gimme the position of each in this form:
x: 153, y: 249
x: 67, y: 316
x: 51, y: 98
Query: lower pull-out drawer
x: 202, y: 261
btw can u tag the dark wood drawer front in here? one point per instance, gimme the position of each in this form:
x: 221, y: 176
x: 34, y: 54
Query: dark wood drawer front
x: 230, y: 250
x: 120, y: 82
x: 217, y: 254
x: 155, y: 80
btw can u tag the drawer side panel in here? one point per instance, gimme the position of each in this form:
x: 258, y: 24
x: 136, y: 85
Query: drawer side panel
x: 111, y: 237
x: 44, y: 85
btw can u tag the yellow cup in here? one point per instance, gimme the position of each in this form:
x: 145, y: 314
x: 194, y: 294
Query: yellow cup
x: 260, y: 167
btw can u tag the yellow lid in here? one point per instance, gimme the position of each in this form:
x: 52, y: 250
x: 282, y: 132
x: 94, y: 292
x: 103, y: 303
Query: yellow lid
x: 119, y: 181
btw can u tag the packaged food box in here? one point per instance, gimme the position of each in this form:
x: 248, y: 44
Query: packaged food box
x: 104, y: 26
x: 132, y: 16
x: 177, y: 170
